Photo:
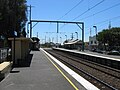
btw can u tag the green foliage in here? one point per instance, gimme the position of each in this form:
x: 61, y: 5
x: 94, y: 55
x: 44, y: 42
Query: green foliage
x: 111, y: 37
x: 12, y: 16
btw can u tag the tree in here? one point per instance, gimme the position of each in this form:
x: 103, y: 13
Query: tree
x: 114, y: 42
x: 24, y: 33
x: 111, y: 37
x: 12, y: 16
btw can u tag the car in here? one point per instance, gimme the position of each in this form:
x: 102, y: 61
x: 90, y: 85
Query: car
x: 99, y: 51
x: 93, y: 50
x: 113, y: 52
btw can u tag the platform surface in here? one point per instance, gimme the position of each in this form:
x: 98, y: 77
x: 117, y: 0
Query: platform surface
x: 39, y: 74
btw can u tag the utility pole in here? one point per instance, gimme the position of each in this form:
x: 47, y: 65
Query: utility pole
x: 61, y: 40
x: 77, y: 34
x: 72, y: 36
x: 90, y: 32
x: 96, y: 36
x: 95, y: 29
x: 109, y: 25
x: 83, y: 37
x: 14, y: 61
x: 30, y: 17
x: 52, y: 39
x: 57, y: 31
x: 66, y: 37
x: 37, y: 34
x: 30, y: 23
x: 45, y: 38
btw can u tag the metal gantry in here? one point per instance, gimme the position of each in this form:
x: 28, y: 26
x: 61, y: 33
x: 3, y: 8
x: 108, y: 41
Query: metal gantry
x: 57, y: 22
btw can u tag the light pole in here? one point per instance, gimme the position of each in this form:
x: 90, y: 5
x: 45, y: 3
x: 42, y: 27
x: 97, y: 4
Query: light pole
x: 37, y: 34
x: 45, y: 39
x: 61, y: 40
x: 77, y: 34
x: 72, y: 36
x: 95, y: 29
x: 96, y: 36
x: 30, y: 23
x: 52, y: 39
x: 66, y: 37
x: 30, y: 17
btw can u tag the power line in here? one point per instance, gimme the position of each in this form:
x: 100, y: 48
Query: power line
x: 110, y: 19
x: 71, y: 9
x: 86, y: 11
x: 101, y: 11
x: 89, y: 9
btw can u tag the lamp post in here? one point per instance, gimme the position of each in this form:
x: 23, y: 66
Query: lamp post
x: 37, y: 34
x: 77, y: 34
x: 96, y: 36
x: 95, y: 29
x: 72, y: 36
x: 52, y: 39
x: 66, y: 37
x: 61, y: 40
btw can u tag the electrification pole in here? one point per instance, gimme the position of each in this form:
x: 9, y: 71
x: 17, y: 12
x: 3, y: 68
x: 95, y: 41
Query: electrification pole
x: 77, y: 34
x: 30, y: 23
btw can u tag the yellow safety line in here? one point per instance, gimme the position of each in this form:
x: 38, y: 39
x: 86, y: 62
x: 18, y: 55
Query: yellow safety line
x: 62, y: 73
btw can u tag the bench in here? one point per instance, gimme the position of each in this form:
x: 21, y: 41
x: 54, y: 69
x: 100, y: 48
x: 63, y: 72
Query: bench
x: 5, y: 68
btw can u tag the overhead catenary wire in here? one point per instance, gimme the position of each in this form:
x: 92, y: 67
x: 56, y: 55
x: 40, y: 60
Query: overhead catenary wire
x: 71, y: 9
x: 110, y: 19
x: 101, y: 11
x: 102, y: 22
x: 89, y: 9
x: 86, y: 11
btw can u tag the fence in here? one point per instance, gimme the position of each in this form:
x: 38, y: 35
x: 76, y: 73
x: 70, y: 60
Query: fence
x: 4, y: 53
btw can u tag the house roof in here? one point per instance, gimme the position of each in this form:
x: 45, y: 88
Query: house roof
x: 73, y: 42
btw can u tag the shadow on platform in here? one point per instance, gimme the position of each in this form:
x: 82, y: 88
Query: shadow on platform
x: 35, y: 50
x: 24, y: 63
x: 20, y: 63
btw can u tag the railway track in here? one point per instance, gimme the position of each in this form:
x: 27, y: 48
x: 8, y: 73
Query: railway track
x: 103, y: 77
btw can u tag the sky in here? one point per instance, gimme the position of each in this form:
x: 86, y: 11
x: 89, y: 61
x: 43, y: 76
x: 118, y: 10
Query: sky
x: 99, y: 13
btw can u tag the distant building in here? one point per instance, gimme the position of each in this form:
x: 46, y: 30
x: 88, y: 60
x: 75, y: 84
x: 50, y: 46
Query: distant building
x: 93, y: 43
x: 86, y: 45
x: 73, y: 44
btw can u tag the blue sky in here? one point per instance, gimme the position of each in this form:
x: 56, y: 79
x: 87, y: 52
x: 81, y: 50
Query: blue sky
x: 91, y: 12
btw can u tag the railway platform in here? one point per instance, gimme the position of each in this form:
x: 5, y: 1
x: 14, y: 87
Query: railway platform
x: 41, y: 72
x: 95, y: 54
